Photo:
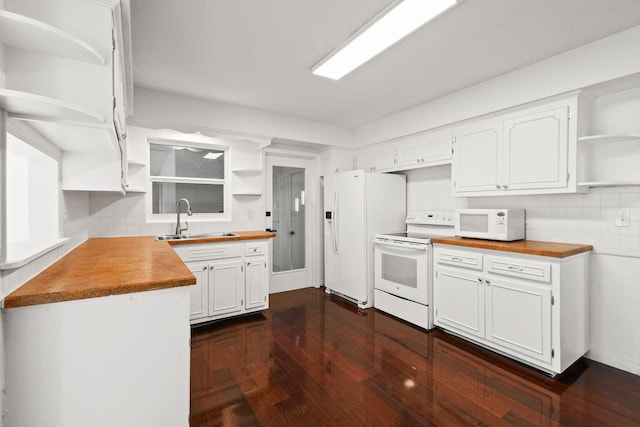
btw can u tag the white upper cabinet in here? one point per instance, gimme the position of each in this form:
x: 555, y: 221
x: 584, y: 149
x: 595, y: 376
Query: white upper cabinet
x: 334, y: 160
x: 380, y: 159
x: 424, y: 149
x: 530, y: 151
x: 476, y: 158
x: 65, y: 72
x: 430, y: 148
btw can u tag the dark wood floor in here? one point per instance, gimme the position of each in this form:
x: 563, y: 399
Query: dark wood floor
x: 312, y: 360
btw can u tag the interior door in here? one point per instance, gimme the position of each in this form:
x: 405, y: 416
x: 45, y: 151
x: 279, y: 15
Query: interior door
x: 288, y: 201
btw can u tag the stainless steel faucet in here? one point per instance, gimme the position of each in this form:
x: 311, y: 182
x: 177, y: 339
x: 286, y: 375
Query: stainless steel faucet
x: 178, y: 203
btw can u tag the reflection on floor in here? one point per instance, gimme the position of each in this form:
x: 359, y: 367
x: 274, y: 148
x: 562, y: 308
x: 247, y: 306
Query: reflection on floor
x: 314, y: 360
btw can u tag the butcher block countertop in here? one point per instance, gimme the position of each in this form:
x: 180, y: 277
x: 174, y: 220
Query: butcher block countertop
x: 105, y: 266
x: 530, y: 247
x: 241, y: 235
x: 112, y: 266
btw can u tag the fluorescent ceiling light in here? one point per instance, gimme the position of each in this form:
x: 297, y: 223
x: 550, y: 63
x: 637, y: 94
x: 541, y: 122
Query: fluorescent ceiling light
x: 383, y: 31
x: 212, y: 156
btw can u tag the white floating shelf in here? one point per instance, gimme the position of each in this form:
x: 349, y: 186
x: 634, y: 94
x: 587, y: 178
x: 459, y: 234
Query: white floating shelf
x: 607, y: 139
x: 136, y: 190
x: 247, y: 171
x: 598, y: 184
x: 23, y: 105
x: 30, y: 34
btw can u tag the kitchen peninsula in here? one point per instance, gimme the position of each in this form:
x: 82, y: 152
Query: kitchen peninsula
x: 102, y: 337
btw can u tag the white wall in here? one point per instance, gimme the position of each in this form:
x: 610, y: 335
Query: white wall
x: 607, y: 59
x: 75, y: 214
x: 154, y: 109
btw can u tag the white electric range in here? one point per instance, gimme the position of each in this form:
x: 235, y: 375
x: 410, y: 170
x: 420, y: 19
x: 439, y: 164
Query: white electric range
x: 403, y: 266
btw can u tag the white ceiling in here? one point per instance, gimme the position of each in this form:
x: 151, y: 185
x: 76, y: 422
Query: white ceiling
x: 257, y: 53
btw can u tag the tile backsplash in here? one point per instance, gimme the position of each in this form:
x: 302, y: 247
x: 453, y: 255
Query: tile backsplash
x: 572, y: 218
x: 115, y: 215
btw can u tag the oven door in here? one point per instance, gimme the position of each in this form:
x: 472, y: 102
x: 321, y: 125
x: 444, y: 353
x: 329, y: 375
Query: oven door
x: 402, y: 269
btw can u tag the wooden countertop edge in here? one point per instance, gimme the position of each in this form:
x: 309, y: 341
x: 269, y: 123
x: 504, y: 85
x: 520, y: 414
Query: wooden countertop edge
x: 529, y: 247
x: 80, y: 294
x: 241, y: 235
x: 22, y: 297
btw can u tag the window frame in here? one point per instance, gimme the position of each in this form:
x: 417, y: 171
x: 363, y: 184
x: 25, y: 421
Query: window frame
x: 224, y: 182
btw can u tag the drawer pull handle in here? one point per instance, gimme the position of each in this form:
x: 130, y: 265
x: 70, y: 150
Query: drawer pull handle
x: 456, y: 258
x: 514, y: 268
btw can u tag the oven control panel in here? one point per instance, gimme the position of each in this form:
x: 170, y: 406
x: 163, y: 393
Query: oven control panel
x: 432, y: 218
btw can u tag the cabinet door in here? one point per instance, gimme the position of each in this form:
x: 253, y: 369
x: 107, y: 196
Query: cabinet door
x: 199, y: 291
x: 226, y: 286
x: 341, y: 162
x: 377, y: 160
x: 366, y: 161
x: 256, y: 291
x: 424, y: 149
x: 535, y: 150
x: 408, y: 150
x: 476, y: 158
x: 435, y: 148
x: 459, y: 301
x: 519, y: 318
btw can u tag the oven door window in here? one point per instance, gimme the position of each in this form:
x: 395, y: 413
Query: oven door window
x: 400, y: 270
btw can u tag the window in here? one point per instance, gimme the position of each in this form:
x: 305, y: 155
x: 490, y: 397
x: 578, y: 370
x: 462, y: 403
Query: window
x: 196, y: 172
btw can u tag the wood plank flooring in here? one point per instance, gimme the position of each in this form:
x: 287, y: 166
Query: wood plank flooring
x: 315, y: 360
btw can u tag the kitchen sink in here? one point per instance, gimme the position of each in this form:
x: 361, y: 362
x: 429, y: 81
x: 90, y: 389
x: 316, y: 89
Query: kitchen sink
x: 193, y: 236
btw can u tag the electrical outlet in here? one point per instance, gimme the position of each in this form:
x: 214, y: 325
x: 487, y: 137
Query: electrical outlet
x: 622, y: 218
x: 250, y: 214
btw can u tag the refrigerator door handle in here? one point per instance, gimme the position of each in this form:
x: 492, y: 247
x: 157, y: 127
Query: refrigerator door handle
x: 335, y: 224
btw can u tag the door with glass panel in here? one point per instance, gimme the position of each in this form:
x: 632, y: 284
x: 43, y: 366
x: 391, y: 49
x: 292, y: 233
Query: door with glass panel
x: 288, y: 207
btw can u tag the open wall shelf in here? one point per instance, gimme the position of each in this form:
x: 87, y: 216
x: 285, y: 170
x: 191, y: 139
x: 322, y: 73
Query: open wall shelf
x: 24, y: 105
x: 27, y: 33
x: 607, y: 139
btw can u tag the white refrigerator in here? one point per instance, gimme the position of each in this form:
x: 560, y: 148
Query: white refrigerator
x: 357, y: 205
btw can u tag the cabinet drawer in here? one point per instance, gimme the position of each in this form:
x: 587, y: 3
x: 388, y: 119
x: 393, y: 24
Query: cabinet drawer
x: 254, y: 249
x: 208, y: 251
x: 532, y: 270
x: 464, y: 259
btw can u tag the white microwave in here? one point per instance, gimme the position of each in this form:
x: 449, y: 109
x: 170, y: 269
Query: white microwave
x: 490, y: 224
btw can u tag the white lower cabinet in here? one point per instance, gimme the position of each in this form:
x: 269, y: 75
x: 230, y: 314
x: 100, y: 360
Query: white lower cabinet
x: 231, y: 278
x: 531, y: 308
